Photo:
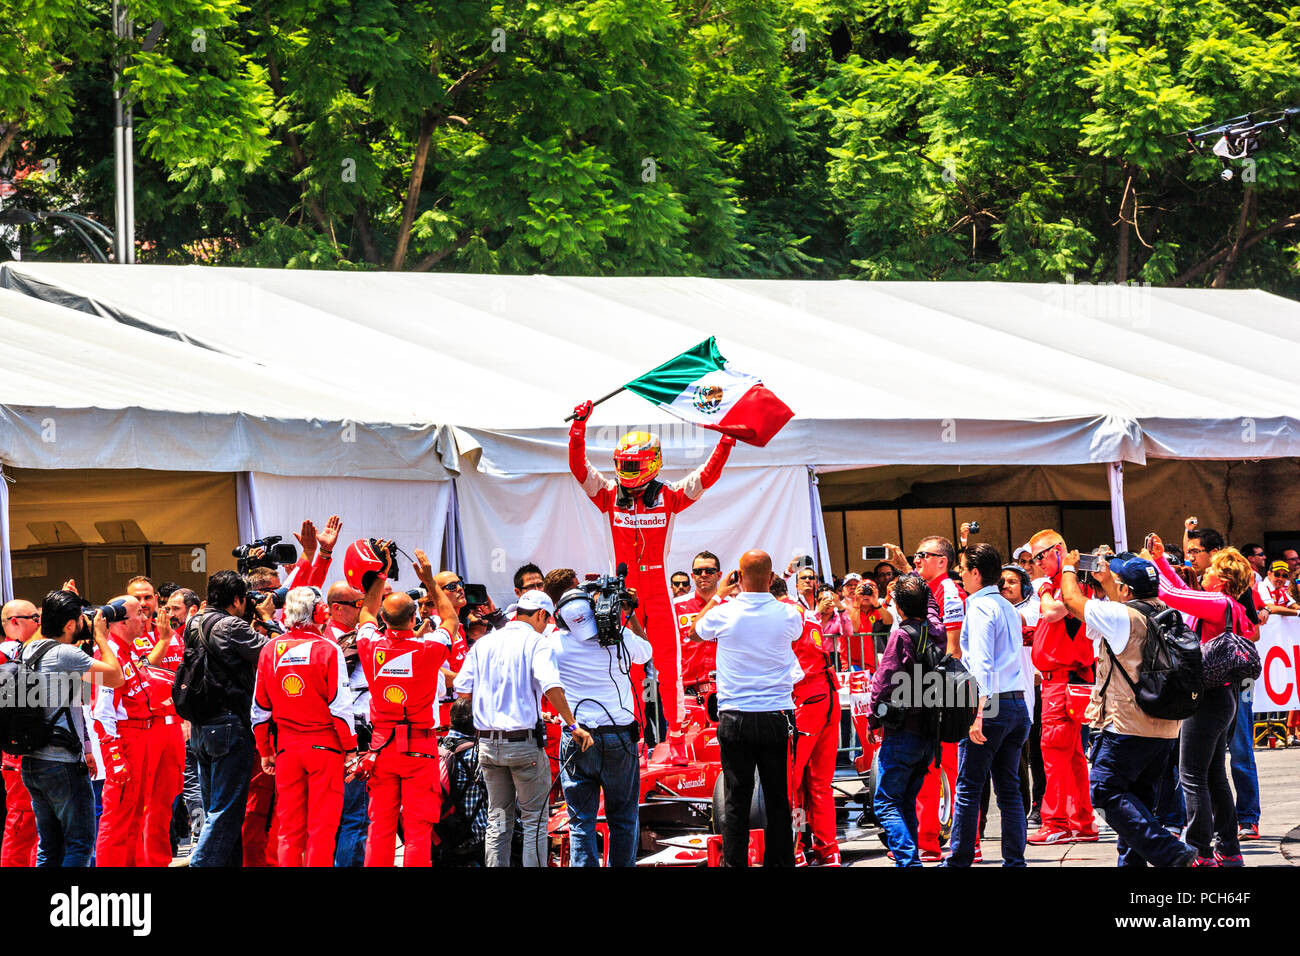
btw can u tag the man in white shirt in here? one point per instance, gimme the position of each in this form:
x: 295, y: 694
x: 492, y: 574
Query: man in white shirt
x: 756, y: 670
x: 595, y: 675
x: 506, y: 672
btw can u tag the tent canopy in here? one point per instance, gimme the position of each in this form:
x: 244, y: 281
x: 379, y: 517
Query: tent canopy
x: 877, y: 372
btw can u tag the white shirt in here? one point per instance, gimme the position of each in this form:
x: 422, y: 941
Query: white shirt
x: 598, y: 690
x: 755, y: 661
x: 507, y: 671
x: 991, y: 642
x: 1108, y: 619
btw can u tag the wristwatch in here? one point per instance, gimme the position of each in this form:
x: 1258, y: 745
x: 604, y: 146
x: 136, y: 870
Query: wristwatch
x: 571, y: 728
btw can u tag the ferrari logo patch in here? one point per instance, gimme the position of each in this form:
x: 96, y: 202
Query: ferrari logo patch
x: 380, y: 657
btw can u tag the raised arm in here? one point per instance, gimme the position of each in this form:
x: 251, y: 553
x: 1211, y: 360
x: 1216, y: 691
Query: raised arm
x: 704, y: 477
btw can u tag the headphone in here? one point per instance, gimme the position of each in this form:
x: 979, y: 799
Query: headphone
x: 572, y: 596
x: 320, y: 613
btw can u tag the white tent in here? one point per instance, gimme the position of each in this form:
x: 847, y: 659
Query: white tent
x: 877, y: 373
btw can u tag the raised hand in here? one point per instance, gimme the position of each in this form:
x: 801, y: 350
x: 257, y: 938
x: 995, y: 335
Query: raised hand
x: 329, y: 536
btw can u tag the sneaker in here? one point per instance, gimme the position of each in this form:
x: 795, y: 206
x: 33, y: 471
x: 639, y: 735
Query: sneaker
x: 1044, y: 836
x: 1085, y: 836
x: 931, y: 856
x: 1035, y: 818
x: 1248, y: 831
x: 1234, y: 860
x: 979, y: 855
x: 1204, y: 861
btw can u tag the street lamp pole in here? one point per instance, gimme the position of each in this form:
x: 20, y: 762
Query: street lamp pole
x: 123, y: 147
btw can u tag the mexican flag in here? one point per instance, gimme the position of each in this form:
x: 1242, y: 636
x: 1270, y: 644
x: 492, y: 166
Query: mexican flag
x: 700, y: 387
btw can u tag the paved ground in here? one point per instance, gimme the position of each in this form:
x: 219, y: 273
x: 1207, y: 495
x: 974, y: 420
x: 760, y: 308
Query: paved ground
x: 1279, y: 783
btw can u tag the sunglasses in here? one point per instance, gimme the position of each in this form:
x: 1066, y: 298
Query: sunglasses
x: 1038, y: 558
x: 453, y: 586
x: 922, y: 555
x: 24, y: 617
x: 348, y: 603
x: 700, y: 572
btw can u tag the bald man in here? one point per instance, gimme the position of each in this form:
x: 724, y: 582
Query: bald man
x: 19, y: 620
x: 757, y: 671
x: 345, y: 609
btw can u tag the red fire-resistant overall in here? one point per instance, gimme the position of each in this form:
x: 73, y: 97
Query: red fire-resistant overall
x: 816, y: 714
x: 167, y: 746
x: 1067, y: 805
x: 699, y: 658
x: 403, y: 676
x: 19, y: 846
x: 302, y: 714
x: 642, y: 533
x: 947, y: 610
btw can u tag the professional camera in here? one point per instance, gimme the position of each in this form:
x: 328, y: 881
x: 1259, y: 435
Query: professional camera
x: 113, y: 613
x: 610, y: 598
x: 273, y: 554
x: 257, y: 597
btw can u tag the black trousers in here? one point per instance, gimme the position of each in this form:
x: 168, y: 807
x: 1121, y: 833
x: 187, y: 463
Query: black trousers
x: 749, y: 741
x: 1202, y: 753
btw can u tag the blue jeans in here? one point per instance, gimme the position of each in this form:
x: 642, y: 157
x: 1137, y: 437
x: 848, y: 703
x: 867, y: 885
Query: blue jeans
x: 1005, y: 729
x: 901, y: 765
x: 1126, y: 776
x: 1241, y: 748
x: 610, y: 764
x: 1170, y: 809
x: 64, y: 807
x: 225, y: 752
x: 350, y: 849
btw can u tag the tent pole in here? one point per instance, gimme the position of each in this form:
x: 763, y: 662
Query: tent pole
x: 1118, y: 520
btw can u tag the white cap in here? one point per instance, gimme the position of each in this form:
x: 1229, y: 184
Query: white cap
x: 852, y: 576
x: 1023, y: 549
x: 535, y: 600
x: 577, y: 615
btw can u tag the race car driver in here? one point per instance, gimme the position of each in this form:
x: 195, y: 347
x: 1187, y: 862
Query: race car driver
x: 699, y: 658
x: 302, y: 722
x: 402, y: 668
x: 817, y: 724
x: 641, y: 510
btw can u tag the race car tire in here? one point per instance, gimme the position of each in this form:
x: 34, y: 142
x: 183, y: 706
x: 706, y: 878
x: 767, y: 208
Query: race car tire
x: 757, y: 808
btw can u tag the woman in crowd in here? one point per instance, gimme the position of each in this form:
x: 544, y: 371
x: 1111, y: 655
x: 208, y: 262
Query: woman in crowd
x: 1226, y: 601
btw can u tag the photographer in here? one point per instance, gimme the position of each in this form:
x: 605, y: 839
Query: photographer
x: 595, y: 676
x: 221, y: 735
x: 867, y: 617
x: 57, y: 775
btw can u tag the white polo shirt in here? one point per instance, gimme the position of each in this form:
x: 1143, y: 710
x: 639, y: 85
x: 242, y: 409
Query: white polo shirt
x: 755, y: 661
x: 598, y: 690
x: 507, y: 671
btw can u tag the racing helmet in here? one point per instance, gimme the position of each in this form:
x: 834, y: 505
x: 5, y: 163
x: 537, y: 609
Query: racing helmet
x: 361, y: 565
x: 637, y: 459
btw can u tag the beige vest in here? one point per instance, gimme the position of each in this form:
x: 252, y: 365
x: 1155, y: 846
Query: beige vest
x: 1120, y: 711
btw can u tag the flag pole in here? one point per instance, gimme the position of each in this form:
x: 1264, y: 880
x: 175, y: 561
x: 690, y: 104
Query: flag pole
x: 603, y: 398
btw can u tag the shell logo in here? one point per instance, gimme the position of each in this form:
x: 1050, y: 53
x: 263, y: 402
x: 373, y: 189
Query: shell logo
x: 292, y: 685
x: 394, y: 694
x: 817, y: 637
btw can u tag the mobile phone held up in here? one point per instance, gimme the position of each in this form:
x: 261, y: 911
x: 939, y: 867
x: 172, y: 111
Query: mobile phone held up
x: 872, y: 553
x: 1090, y: 562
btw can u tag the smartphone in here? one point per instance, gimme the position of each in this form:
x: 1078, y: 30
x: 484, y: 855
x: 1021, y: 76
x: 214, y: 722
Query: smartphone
x: 1090, y: 562
x: 476, y: 594
x: 871, y: 553
x: 733, y: 577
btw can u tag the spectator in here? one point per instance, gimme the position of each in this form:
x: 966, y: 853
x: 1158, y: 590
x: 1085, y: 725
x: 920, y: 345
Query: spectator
x: 528, y: 577
x: 301, y: 695
x: 1130, y: 748
x: 1292, y: 559
x: 884, y: 574
x: 19, y: 620
x: 698, y: 657
x: 861, y: 601
x: 756, y: 674
x: 1203, y: 739
x: 1024, y: 557
x: 463, y: 824
x: 223, y: 740
x: 1274, y: 591
x: 991, y: 642
x: 345, y: 604
x: 56, y: 776
x: 1200, y: 545
x: 594, y: 675
x: 1254, y: 553
x: 505, y: 674
x: 907, y: 744
x: 681, y: 583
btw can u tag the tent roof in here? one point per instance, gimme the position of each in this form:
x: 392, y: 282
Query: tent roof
x: 877, y: 372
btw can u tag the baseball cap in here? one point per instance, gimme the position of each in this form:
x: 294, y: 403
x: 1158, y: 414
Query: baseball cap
x: 535, y: 600
x: 1023, y: 549
x: 1279, y: 566
x: 576, y: 614
x: 851, y: 576
x: 1134, y: 571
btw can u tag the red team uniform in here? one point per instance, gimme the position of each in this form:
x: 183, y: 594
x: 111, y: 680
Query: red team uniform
x: 817, y: 720
x: 167, y: 742
x: 402, y: 672
x: 642, y: 532
x: 302, y: 714
x: 19, y: 848
x: 699, y: 658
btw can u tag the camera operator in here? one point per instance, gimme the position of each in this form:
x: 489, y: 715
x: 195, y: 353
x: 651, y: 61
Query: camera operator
x: 595, y: 677
x: 345, y: 608
x: 57, y: 775
x: 223, y: 738
x: 756, y: 674
x: 506, y: 673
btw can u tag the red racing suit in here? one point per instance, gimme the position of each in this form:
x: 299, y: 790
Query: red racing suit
x: 947, y: 611
x: 817, y: 720
x: 642, y: 533
x: 1067, y: 805
x: 167, y: 745
x: 19, y: 841
x: 699, y: 658
x: 302, y: 715
x: 403, y: 676
x: 123, y: 717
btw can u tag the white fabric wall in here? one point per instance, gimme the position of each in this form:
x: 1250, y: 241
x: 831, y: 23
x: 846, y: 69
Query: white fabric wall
x: 412, y: 513
x: 547, y: 519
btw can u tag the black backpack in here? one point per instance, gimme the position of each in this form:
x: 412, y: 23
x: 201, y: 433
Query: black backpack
x: 196, y: 693
x: 959, y: 695
x: 24, y: 728
x: 1170, y: 678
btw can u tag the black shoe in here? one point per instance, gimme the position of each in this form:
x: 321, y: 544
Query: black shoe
x: 1035, y: 819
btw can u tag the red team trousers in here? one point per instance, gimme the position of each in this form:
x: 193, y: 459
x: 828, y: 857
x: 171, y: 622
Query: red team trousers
x: 166, y: 751
x: 309, y: 794
x: 813, y: 768
x: 121, y: 825
x: 412, y: 787
x: 20, y: 822
x: 1066, y: 801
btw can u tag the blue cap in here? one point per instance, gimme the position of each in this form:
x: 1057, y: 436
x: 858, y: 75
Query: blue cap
x: 1137, y: 573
